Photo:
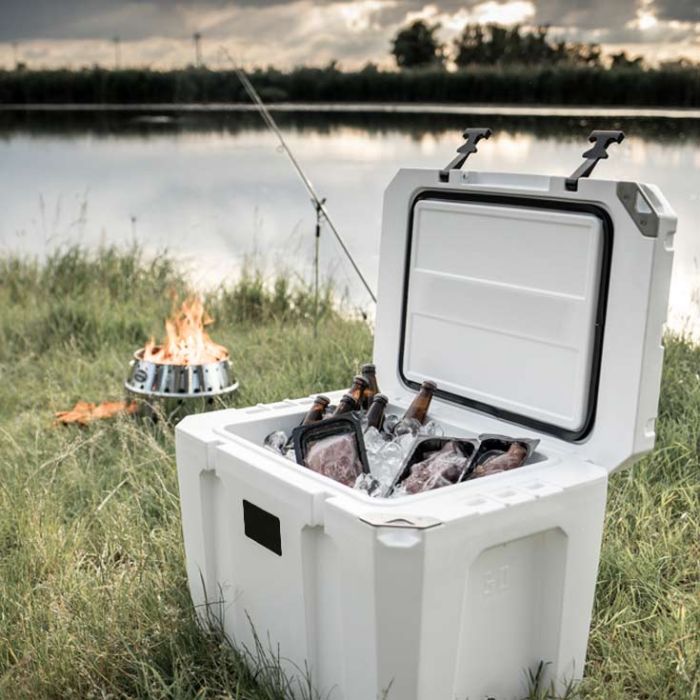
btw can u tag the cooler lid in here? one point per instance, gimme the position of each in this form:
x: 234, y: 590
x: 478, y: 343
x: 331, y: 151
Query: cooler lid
x: 529, y: 303
x: 504, y: 306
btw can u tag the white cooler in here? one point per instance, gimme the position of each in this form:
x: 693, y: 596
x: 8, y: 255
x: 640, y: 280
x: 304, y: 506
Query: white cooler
x: 537, y: 305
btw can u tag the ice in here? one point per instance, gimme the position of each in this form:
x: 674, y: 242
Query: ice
x: 385, y: 464
x: 407, y: 426
x: 368, y: 483
x: 374, y: 440
x: 432, y: 429
x: 390, y: 423
x: 405, y: 443
x: 276, y: 441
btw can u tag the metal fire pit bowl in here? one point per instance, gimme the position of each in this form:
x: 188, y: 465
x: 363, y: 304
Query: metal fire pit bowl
x: 174, y: 391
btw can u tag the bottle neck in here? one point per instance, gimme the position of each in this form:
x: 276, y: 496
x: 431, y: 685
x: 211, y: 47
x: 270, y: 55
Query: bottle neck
x: 375, y: 415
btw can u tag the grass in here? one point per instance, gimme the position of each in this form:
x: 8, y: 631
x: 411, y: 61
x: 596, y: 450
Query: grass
x: 93, y: 595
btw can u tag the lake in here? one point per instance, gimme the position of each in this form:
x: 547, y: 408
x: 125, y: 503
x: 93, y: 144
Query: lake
x: 213, y: 188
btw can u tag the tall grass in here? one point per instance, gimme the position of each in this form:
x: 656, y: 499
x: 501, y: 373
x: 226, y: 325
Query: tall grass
x: 93, y: 594
x: 528, y: 84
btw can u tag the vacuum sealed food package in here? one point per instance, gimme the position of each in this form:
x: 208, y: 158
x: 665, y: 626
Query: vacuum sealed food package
x: 432, y: 463
x: 499, y: 453
x: 333, y: 447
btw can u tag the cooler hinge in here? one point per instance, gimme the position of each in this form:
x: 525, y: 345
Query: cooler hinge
x: 472, y: 136
x: 601, y: 140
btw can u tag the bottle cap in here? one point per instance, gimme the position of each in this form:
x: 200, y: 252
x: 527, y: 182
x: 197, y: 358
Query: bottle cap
x: 359, y: 379
x: 380, y: 398
x: 369, y: 368
x: 428, y: 384
x: 322, y: 399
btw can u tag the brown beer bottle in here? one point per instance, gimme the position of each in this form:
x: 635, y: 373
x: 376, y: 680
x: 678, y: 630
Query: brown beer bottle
x: 418, y: 410
x: 346, y: 404
x: 358, y: 388
x: 375, y: 414
x: 316, y: 411
x: 369, y: 372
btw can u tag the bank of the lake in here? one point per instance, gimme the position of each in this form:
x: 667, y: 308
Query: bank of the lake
x: 93, y: 594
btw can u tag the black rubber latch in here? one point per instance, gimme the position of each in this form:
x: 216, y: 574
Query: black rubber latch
x: 472, y: 136
x: 601, y: 140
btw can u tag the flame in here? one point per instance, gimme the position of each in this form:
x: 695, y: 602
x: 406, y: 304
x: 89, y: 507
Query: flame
x: 84, y: 412
x: 187, y: 342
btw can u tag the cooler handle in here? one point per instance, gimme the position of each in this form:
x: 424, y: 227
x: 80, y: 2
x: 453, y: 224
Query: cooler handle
x: 472, y: 135
x: 601, y: 139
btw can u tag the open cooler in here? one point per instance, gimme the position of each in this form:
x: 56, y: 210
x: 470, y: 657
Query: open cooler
x: 537, y: 305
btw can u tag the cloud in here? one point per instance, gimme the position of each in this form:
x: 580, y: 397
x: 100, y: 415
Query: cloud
x: 586, y: 14
x: 679, y: 10
x: 289, y: 32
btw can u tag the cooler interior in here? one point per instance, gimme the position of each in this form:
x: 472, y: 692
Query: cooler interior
x: 253, y: 424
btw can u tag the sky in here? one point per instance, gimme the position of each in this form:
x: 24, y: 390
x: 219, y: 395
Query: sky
x: 285, y: 33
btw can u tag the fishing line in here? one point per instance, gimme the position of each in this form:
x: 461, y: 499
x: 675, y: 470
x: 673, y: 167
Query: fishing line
x: 318, y: 202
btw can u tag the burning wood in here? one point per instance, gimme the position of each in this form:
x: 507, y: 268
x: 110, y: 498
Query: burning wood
x: 84, y: 412
x: 187, y: 342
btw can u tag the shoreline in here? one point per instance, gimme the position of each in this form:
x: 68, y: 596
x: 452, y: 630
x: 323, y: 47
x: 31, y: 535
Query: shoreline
x: 518, y: 110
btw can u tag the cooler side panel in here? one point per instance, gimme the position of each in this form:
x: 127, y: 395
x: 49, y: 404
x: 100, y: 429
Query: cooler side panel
x: 199, y: 487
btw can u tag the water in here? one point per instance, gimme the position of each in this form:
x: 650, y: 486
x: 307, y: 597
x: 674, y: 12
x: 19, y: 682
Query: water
x: 214, y: 189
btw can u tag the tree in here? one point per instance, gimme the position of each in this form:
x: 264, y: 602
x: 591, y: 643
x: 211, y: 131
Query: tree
x: 417, y: 46
x: 494, y: 44
x: 622, y: 60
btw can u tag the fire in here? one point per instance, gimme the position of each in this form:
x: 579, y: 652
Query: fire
x: 84, y: 412
x: 187, y: 342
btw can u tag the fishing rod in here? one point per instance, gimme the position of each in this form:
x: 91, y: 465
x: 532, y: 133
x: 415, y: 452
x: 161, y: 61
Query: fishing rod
x: 318, y: 202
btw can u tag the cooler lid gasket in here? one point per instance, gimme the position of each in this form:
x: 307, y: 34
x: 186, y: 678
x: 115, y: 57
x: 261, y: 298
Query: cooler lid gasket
x: 533, y: 203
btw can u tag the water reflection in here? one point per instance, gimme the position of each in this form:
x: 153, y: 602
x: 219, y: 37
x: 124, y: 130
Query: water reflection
x: 214, y: 188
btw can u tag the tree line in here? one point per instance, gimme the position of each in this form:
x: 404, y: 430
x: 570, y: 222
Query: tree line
x: 418, y: 46
x: 516, y: 84
x: 494, y: 64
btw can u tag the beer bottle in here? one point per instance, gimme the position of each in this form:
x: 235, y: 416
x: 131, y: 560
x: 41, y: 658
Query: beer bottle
x: 316, y: 411
x: 346, y: 404
x: 375, y: 414
x: 418, y: 410
x: 358, y: 388
x: 369, y: 372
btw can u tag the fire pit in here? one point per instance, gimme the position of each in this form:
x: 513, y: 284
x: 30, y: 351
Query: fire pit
x: 188, y: 373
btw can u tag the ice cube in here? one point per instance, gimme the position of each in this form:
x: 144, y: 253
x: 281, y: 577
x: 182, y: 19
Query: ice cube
x: 385, y: 464
x: 405, y: 442
x: 406, y: 426
x: 432, y: 429
x: 390, y: 422
x: 367, y: 483
x: 276, y: 441
x: 374, y: 441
